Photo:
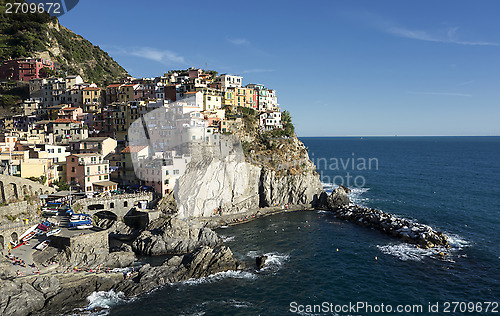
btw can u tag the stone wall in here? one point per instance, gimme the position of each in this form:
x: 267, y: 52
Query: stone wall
x: 12, y: 234
x: 118, y: 204
x: 89, y: 249
x: 14, y: 189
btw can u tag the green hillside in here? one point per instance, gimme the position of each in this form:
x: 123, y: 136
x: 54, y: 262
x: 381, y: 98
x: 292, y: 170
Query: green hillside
x: 40, y: 35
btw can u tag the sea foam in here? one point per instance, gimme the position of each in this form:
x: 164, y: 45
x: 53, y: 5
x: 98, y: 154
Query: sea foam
x: 356, y: 196
x: 219, y: 276
x: 407, y: 252
x: 274, y: 259
x: 227, y: 238
x: 102, y: 301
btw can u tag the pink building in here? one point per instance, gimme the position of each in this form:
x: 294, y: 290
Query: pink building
x: 24, y: 69
x: 90, y: 172
x: 70, y: 113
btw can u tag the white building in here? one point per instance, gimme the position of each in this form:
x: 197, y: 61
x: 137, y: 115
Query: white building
x: 162, y: 173
x: 229, y: 81
x: 270, y: 120
x: 212, y: 100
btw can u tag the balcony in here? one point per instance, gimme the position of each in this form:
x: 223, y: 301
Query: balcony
x: 91, y: 163
x: 97, y: 173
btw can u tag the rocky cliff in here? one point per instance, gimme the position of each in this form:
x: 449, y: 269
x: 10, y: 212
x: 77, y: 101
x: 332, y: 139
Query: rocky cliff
x: 61, y: 293
x: 233, y: 184
x: 228, y: 184
x: 174, y: 236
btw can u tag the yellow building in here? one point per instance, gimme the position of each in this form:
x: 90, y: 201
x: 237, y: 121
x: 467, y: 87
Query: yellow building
x: 34, y: 167
x: 126, y: 92
x: 228, y: 97
x: 92, y: 99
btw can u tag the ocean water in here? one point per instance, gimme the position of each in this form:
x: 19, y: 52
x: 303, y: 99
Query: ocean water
x: 449, y: 183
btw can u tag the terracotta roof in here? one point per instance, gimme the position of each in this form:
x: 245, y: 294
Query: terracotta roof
x: 65, y: 121
x: 133, y: 149
x: 114, y: 85
x: 69, y: 108
x: 91, y: 88
x: 85, y: 155
x: 192, y: 92
x: 95, y: 139
x: 129, y: 85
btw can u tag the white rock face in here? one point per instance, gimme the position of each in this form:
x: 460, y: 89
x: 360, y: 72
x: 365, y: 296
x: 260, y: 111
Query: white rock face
x: 303, y: 188
x: 230, y: 185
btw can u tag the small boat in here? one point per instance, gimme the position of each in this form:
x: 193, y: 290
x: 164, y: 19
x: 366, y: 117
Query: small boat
x: 43, y: 245
x: 79, y: 217
x: 87, y: 226
x: 53, y: 232
x: 43, y: 227
x: 29, y: 236
x: 50, y: 211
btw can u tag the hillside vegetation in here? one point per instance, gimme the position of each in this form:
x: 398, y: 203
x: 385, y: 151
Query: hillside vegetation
x: 40, y: 35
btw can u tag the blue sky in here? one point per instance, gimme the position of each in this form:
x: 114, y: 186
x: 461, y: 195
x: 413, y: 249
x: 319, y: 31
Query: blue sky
x: 340, y: 67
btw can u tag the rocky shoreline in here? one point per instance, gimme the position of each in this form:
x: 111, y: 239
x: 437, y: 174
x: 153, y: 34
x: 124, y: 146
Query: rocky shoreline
x: 194, y: 251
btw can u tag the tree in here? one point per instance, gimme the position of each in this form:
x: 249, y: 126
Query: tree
x: 63, y: 186
x: 286, y: 120
x: 286, y: 117
x: 46, y: 72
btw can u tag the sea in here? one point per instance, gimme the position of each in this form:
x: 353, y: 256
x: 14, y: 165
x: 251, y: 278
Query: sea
x: 319, y: 265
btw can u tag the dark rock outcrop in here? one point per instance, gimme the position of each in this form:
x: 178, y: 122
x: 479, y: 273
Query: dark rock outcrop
x: 203, y: 262
x: 411, y: 232
x: 280, y: 189
x: 337, y: 199
x: 174, y: 236
x: 260, y: 262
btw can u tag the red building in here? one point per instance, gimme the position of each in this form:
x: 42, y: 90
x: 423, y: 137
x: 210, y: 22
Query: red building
x: 24, y: 69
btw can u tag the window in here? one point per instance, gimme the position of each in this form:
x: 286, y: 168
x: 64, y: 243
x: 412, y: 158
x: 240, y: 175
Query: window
x: 59, y: 150
x: 72, y: 169
x: 88, y: 170
x: 166, y: 172
x: 125, y: 203
x: 100, y: 177
x: 112, y: 205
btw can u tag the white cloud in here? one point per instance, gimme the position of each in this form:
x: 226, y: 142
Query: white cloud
x: 166, y: 57
x: 446, y: 36
x: 238, y: 41
x: 466, y: 83
x: 163, y: 56
x: 442, y: 93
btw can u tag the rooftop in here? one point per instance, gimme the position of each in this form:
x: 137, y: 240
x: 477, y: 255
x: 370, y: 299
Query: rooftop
x: 133, y: 149
x: 60, y: 120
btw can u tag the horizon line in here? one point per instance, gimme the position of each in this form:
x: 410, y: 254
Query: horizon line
x: 403, y: 136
